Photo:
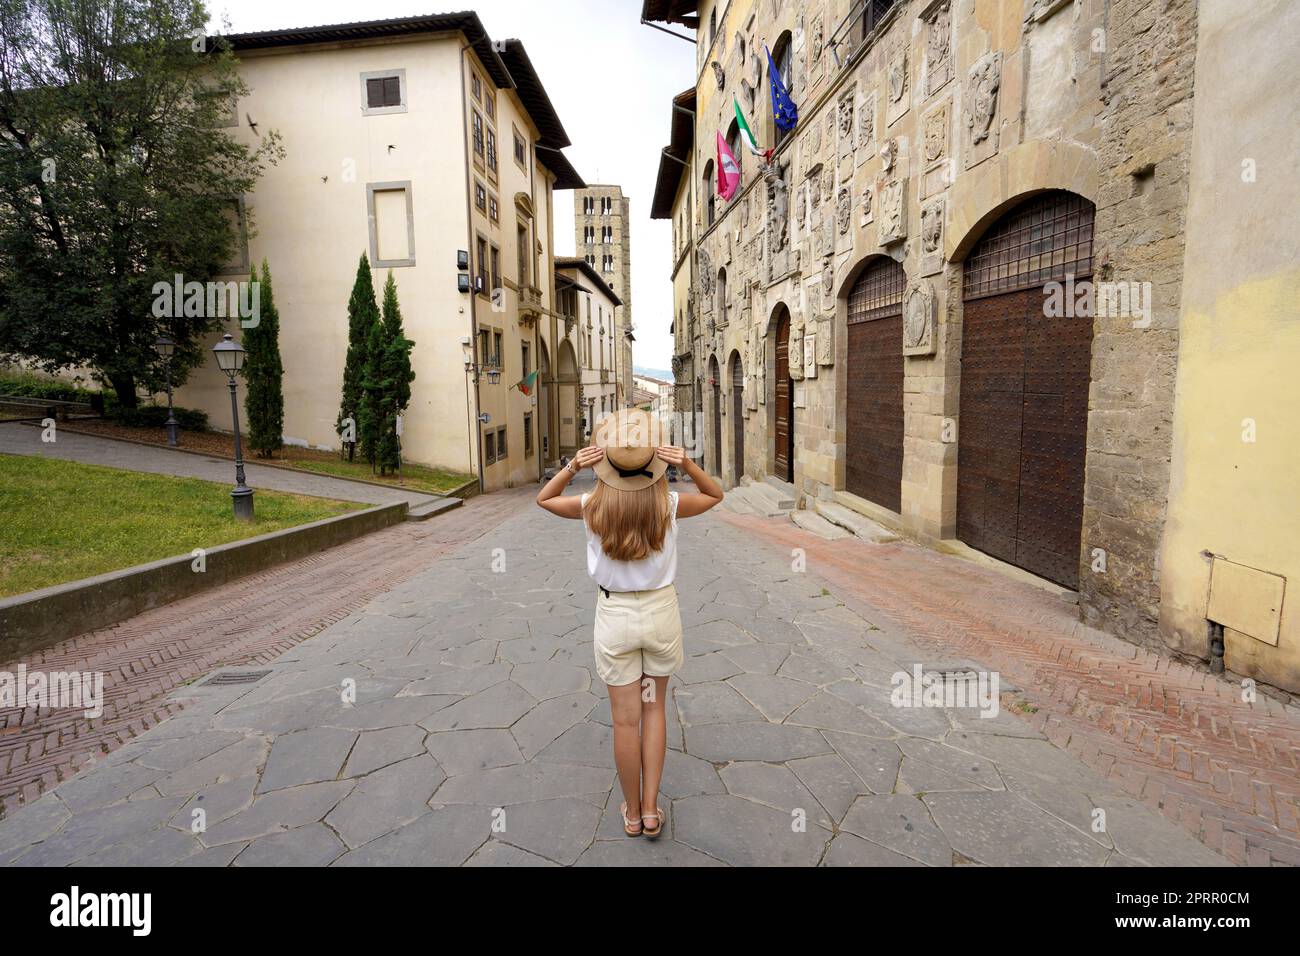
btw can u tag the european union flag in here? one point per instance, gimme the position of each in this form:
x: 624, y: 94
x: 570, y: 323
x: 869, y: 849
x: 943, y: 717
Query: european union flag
x: 784, y: 111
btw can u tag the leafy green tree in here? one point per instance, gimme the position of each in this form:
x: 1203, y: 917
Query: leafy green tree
x: 115, y: 175
x: 397, y: 375
x: 363, y: 315
x: 264, y: 372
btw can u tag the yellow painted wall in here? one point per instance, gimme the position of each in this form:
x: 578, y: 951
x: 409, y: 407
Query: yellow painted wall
x: 1239, y: 354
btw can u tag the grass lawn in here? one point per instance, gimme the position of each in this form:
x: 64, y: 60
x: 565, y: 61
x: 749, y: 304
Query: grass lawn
x: 413, y: 477
x: 63, y: 520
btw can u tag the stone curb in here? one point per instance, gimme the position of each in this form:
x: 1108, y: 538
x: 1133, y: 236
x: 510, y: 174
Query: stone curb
x: 33, y: 621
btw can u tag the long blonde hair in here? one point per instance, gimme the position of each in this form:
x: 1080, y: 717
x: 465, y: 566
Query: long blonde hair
x: 631, y: 524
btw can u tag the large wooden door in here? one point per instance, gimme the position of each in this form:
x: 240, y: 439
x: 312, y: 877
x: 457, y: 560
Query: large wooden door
x: 784, y: 399
x: 1022, y: 434
x: 874, y: 414
x: 737, y: 418
x: 715, y: 380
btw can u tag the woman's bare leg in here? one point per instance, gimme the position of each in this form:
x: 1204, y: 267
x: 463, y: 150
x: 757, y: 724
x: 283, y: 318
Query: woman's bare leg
x: 625, y: 711
x: 654, y: 690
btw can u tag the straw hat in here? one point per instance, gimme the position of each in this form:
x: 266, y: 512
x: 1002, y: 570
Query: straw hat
x: 629, y: 437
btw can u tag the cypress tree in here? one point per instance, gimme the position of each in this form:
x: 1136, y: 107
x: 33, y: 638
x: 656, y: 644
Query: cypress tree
x: 363, y: 315
x: 396, y: 376
x: 264, y: 399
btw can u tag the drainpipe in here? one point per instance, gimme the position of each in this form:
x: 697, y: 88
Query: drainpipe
x: 469, y: 246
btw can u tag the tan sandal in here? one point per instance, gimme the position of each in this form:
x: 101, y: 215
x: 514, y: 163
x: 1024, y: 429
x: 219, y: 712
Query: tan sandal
x: 657, y: 815
x: 629, y: 824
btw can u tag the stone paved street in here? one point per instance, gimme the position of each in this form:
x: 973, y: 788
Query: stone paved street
x: 480, y: 735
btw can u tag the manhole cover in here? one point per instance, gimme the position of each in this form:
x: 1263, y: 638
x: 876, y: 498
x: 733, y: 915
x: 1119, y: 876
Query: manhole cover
x: 234, y: 677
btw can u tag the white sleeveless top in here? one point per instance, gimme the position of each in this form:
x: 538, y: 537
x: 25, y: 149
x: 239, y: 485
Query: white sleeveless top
x: 658, y: 570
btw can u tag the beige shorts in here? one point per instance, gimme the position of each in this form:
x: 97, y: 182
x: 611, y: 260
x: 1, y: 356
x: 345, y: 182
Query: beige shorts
x: 637, y: 632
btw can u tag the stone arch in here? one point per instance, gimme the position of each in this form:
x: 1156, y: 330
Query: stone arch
x: 736, y: 411
x: 982, y: 195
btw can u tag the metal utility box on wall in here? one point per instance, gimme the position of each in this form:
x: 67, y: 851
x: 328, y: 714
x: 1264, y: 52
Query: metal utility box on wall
x: 1246, y: 600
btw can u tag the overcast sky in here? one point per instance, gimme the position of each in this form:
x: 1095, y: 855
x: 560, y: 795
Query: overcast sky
x: 612, y: 81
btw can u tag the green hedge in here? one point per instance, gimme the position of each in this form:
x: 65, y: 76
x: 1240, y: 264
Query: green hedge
x: 155, y: 416
x: 28, y: 385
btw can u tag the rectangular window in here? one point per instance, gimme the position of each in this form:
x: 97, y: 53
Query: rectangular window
x: 494, y: 211
x: 501, y: 443
x: 483, y: 267
x: 490, y: 448
x: 477, y: 123
x: 526, y: 357
x: 496, y: 349
x: 492, y: 150
x: 521, y: 150
x: 475, y: 85
x: 383, y: 91
x: 483, y: 354
x: 522, y: 236
x: 392, y: 225
x: 528, y: 434
x: 588, y: 205
x: 496, y: 268
x: 480, y: 197
x: 490, y: 104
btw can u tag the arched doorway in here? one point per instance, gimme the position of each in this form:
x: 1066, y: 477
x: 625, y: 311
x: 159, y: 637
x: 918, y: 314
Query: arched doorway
x: 545, y: 398
x: 874, y: 410
x: 715, y: 385
x: 1022, y: 435
x: 737, y: 417
x: 567, y: 386
x: 783, y: 457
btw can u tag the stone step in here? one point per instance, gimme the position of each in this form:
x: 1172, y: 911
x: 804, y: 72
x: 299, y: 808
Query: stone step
x: 757, y: 504
x: 779, y: 500
x: 733, y: 502
x: 427, y: 509
x: 784, y: 487
x: 862, y: 526
x: 815, y: 523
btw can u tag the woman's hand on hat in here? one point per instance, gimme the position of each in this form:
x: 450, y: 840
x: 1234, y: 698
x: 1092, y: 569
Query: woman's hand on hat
x: 587, y: 457
x: 671, y: 454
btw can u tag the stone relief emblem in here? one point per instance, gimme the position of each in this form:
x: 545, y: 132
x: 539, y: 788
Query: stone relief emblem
x: 826, y: 340
x: 866, y: 205
x: 828, y: 183
x: 936, y: 135
x: 801, y: 206
x: 843, y: 210
x: 845, y: 122
x: 932, y: 228
x: 818, y: 40
x: 893, y: 213
x: 718, y: 75
x: 706, y: 280
x: 828, y: 281
x: 815, y: 185
x: 867, y: 121
x: 778, y: 216
x: 889, y: 154
x: 897, y: 74
x: 981, y: 103
x: 918, y: 321
x: 938, y: 49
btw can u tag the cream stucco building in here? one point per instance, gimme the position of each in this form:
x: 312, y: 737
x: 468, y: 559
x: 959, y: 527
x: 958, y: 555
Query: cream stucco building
x: 589, y: 358
x: 1008, y: 289
x: 435, y: 150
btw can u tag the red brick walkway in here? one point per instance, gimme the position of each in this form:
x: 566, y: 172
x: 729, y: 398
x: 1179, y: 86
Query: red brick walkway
x: 251, y: 620
x: 1175, y: 737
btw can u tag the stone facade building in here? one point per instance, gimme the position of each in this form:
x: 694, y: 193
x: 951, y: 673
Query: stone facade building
x: 954, y: 300
x: 603, y: 234
x: 589, y: 362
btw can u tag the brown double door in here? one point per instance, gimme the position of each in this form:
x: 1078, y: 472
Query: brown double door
x: 1023, y: 433
x: 783, y: 458
x: 874, y: 412
x: 737, y: 418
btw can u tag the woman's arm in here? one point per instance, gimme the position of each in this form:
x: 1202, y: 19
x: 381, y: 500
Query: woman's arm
x: 571, y: 505
x: 710, y: 494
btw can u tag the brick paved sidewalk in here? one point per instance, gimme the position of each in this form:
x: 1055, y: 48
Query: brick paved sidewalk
x: 1174, y: 736
x: 251, y: 620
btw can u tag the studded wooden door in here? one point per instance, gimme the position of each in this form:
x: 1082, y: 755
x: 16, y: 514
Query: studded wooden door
x: 1022, y: 432
x: 874, y: 414
x: 737, y: 411
x: 784, y: 399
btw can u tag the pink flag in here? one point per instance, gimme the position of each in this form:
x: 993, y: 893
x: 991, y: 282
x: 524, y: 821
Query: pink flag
x: 728, y: 170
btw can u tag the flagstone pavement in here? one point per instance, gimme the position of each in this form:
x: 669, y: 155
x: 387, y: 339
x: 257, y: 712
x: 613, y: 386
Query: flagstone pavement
x: 480, y: 735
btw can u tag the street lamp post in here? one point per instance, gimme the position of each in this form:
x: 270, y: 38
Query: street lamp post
x: 230, y: 359
x: 165, y: 347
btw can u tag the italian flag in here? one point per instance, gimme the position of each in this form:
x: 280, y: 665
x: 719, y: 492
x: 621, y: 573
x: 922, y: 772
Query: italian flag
x: 747, y: 135
x: 527, y: 383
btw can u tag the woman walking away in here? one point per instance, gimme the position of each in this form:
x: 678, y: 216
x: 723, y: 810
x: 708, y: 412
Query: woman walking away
x: 631, y: 522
